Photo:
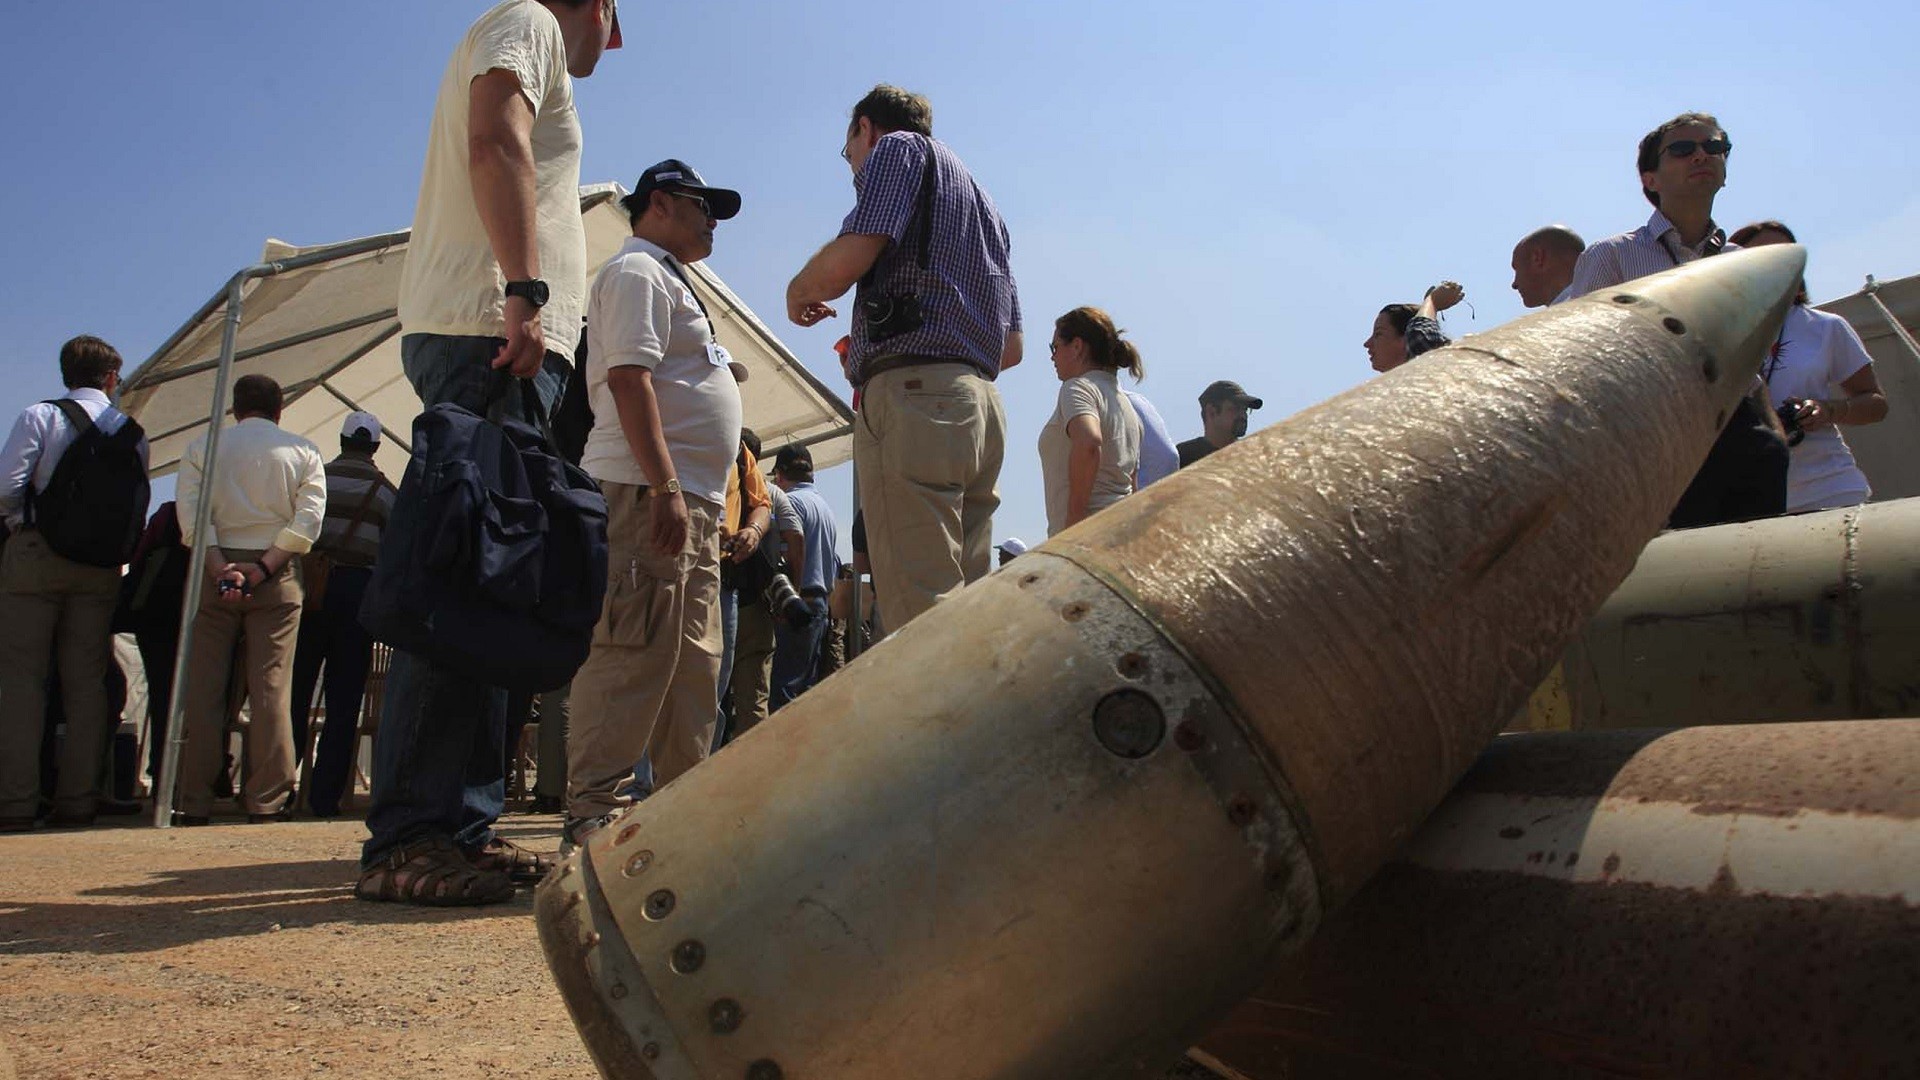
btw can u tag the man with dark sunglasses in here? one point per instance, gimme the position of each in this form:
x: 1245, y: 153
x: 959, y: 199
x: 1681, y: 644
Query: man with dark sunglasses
x: 666, y: 432
x: 1683, y: 165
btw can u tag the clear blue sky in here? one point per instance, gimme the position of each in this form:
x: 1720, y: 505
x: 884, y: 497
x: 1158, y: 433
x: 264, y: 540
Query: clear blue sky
x: 1241, y: 185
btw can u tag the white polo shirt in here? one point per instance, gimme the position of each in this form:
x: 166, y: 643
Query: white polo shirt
x: 639, y: 311
x: 451, y: 283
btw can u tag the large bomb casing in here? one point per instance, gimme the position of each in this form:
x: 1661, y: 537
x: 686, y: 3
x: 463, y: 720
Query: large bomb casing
x: 1061, y: 824
x: 1809, y: 617
x: 1714, y: 901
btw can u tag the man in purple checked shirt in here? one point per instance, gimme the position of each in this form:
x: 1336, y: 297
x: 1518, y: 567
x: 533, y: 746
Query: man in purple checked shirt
x: 936, y: 318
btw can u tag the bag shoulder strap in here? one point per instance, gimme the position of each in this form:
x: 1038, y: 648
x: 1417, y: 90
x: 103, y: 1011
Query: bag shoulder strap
x: 74, y: 412
x: 920, y: 231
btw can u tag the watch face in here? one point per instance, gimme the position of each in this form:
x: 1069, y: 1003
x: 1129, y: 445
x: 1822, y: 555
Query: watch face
x: 534, y: 292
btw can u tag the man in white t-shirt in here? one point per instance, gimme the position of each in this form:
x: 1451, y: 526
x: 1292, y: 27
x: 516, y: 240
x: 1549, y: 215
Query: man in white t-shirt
x: 493, y: 290
x: 666, y: 429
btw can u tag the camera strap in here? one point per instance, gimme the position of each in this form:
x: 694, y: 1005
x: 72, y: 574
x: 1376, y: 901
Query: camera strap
x: 920, y: 228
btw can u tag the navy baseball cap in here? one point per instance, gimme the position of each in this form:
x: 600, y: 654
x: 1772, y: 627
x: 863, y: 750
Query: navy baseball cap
x: 676, y: 175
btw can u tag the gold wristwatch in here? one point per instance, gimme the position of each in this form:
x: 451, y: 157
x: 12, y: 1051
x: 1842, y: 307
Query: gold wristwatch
x: 671, y: 487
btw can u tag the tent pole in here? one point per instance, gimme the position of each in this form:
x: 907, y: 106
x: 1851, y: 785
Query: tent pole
x: 169, y: 776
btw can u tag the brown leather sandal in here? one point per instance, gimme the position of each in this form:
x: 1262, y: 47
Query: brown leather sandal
x: 431, y: 872
x: 504, y: 856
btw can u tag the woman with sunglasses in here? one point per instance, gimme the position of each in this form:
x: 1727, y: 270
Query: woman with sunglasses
x: 1819, y: 376
x: 1090, y: 447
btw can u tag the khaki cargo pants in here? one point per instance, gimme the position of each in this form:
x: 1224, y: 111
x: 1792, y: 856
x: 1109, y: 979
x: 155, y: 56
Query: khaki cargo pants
x: 269, y: 621
x: 649, y: 685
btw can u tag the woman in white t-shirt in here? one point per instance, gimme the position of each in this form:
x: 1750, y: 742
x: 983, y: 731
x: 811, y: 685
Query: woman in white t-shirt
x: 1819, y: 363
x: 1090, y: 447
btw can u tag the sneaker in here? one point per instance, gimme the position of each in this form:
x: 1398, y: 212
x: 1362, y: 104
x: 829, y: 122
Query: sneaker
x: 576, y: 831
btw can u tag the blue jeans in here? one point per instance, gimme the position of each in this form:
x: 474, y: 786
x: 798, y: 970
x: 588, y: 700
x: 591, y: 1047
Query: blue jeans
x: 439, y: 759
x: 796, y: 653
x: 729, y: 631
x: 334, y: 639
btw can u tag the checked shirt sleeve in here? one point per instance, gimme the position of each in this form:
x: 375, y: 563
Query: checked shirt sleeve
x: 889, y: 188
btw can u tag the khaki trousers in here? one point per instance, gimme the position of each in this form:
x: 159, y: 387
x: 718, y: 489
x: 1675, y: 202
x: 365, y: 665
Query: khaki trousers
x: 649, y: 685
x: 269, y: 620
x: 752, y: 665
x: 928, y: 445
x: 52, y: 605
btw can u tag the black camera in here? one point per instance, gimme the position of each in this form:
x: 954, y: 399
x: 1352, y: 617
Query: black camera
x: 891, y: 315
x: 228, y: 586
x: 1789, y: 413
x: 785, y: 601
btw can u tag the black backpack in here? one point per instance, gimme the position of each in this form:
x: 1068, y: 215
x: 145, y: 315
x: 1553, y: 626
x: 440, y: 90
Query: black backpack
x: 494, y: 561
x: 95, y: 506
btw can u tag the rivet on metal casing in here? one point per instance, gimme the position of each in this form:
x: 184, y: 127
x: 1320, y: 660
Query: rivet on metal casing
x: 640, y: 861
x: 1132, y: 665
x: 688, y: 956
x: 659, y: 905
x: 650, y: 1051
x: 1240, y: 810
x: 1625, y: 298
x: 764, y: 1070
x: 617, y: 991
x: 1075, y: 611
x: 592, y: 938
x: 1710, y: 368
x: 1188, y: 736
x: 1674, y: 325
x: 1029, y: 580
x: 724, y: 1016
x: 628, y: 833
x: 1129, y: 723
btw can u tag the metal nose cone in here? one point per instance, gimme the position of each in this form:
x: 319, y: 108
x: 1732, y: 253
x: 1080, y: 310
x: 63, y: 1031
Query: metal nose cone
x: 1731, y: 305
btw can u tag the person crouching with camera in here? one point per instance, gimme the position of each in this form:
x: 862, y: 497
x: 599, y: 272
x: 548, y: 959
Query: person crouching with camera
x: 936, y: 319
x: 666, y: 427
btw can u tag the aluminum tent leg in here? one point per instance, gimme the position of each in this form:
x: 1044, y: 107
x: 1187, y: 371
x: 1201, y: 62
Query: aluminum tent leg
x: 169, y: 776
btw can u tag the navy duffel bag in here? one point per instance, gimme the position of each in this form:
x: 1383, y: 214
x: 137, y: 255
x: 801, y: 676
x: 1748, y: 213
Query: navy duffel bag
x: 494, y: 561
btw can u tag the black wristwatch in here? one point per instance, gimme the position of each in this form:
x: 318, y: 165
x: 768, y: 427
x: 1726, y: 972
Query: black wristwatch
x: 533, y: 291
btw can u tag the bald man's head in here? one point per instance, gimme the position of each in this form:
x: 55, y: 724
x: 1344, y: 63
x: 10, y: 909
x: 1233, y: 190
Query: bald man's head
x: 1543, y: 263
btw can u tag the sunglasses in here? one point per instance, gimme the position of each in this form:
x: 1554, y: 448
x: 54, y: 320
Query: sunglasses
x: 697, y: 200
x: 1685, y: 148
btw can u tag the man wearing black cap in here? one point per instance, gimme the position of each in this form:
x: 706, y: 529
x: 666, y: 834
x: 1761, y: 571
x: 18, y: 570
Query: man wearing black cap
x: 666, y: 430
x: 495, y: 280
x: 1223, y: 415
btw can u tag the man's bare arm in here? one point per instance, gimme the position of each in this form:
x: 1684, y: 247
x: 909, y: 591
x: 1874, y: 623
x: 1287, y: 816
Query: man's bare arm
x: 829, y: 274
x: 500, y: 163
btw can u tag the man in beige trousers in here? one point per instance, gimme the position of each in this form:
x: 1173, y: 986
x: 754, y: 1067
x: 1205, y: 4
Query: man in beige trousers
x: 269, y: 497
x: 936, y: 319
x: 666, y: 427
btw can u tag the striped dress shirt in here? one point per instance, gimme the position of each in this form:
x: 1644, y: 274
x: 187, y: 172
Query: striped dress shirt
x: 1649, y: 249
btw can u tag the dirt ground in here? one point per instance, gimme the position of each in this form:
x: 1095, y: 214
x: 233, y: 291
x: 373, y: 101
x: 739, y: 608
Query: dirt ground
x: 239, y: 951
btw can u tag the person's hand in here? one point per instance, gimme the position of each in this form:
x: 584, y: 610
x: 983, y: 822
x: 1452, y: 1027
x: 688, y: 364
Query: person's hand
x: 526, y: 346
x: 810, y: 313
x: 744, y: 544
x: 1446, y: 294
x: 238, y: 581
x: 668, y: 524
x: 1815, y: 414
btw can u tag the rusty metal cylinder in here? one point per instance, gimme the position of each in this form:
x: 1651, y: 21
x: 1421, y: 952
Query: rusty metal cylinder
x: 1712, y: 901
x: 1059, y: 825
x: 1809, y: 617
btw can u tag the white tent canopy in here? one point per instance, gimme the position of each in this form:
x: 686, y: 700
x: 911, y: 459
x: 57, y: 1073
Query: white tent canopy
x: 1889, y: 451
x: 327, y: 331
